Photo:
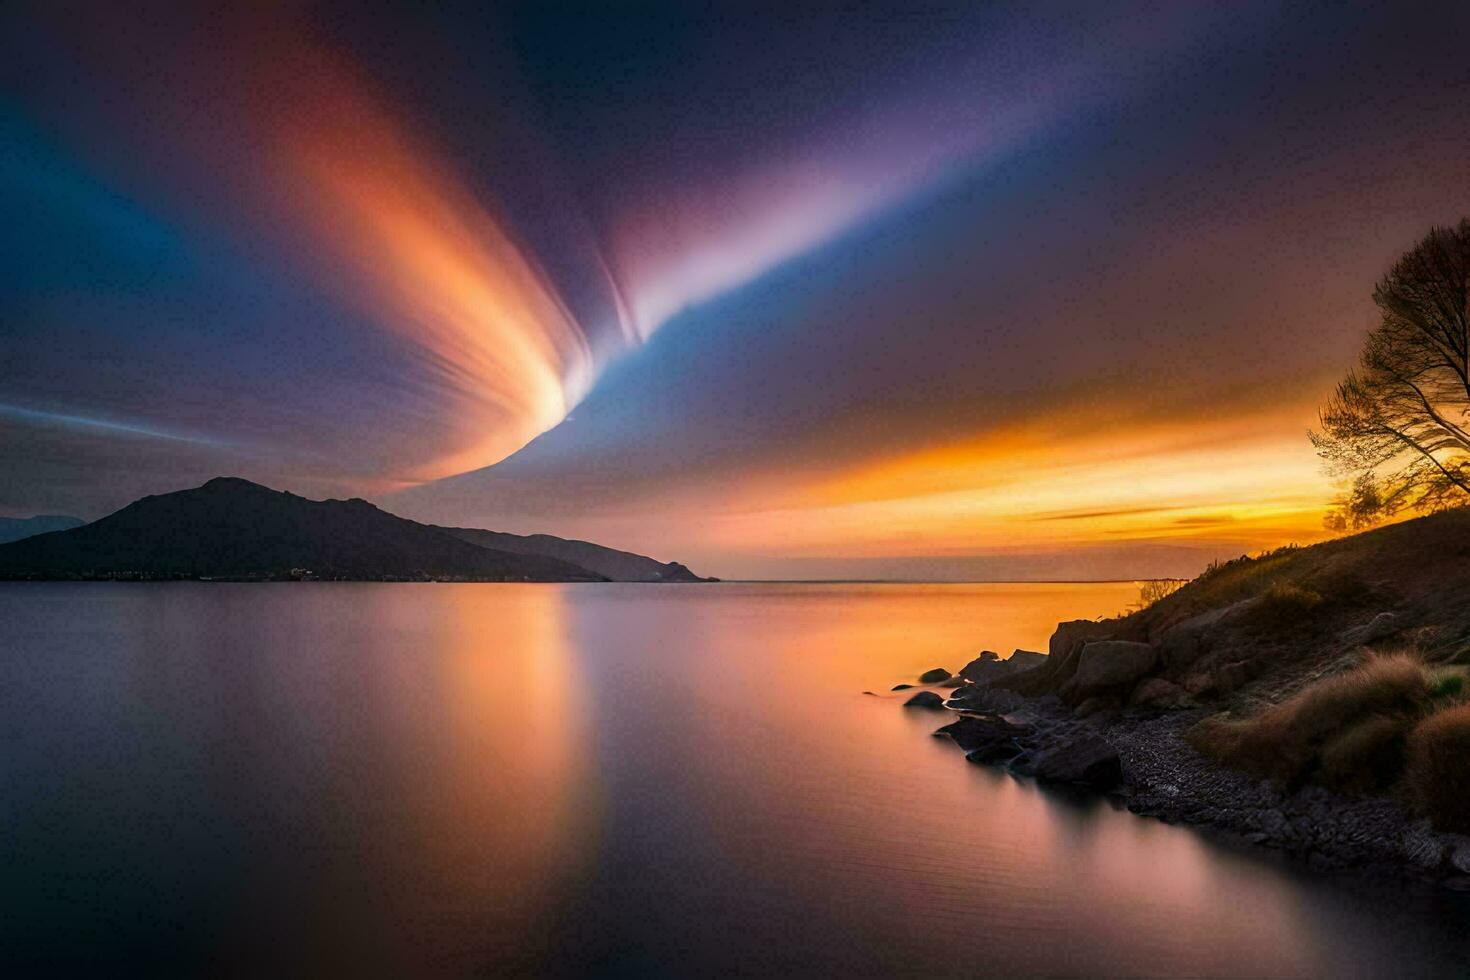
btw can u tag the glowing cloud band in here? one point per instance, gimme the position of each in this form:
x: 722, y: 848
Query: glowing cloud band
x: 421, y: 255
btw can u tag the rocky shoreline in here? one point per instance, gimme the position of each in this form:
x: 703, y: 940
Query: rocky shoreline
x: 1142, y: 760
x: 1310, y: 701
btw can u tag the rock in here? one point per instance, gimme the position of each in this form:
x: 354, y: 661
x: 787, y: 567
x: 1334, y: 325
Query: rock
x: 900, y: 687
x: 870, y: 694
x: 1025, y: 659
x: 994, y: 754
x: 980, y: 697
x: 1086, y: 760
x: 935, y: 676
x: 953, y: 682
x: 1112, y: 663
x: 1156, y: 692
x: 988, y: 666
x: 1184, y: 643
x: 984, y: 668
x: 1071, y: 635
x: 1380, y: 626
x: 1095, y: 706
x: 1231, y: 676
x: 973, y: 733
x: 984, y: 671
x: 1200, y: 684
x: 925, y: 699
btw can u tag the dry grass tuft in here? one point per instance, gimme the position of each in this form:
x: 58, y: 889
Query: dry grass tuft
x: 1345, y: 730
x: 1439, y: 768
x: 1366, y: 758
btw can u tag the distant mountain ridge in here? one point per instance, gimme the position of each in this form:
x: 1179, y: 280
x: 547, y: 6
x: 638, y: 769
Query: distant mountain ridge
x: 618, y: 566
x: 16, y: 528
x: 233, y: 529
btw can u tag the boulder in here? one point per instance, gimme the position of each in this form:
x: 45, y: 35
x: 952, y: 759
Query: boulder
x: 935, y: 676
x: 1050, y: 674
x: 988, y: 666
x: 1156, y: 692
x: 984, y: 698
x: 900, y: 687
x: 1071, y: 635
x: 1228, y: 677
x: 925, y: 699
x: 973, y: 733
x: 955, y: 681
x: 1086, y: 760
x: 981, y: 671
x: 1112, y: 663
x: 1184, y: 643
x: 1096, y: 706
x: 1201, y: 684
x: 1025, y: 659
x: 994, y: 753
x: 985, y: 667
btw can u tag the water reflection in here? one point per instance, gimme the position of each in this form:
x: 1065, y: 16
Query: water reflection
x: 574, y: 779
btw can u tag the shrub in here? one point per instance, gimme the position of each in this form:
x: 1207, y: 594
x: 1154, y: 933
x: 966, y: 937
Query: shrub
x: 1366, y: 758
x: 1439, y: 768
x: 1289, y: 741
x: 1152, y: 590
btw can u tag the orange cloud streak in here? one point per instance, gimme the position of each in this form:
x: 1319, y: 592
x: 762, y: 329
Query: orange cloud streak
x: 415, y: 250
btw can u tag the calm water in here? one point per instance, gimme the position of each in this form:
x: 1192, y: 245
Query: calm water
x: 677, y: 780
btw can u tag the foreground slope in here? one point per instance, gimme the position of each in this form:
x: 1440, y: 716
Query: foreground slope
x: 1255, y: 629
x: 232, y: 528
x: 619, y: 566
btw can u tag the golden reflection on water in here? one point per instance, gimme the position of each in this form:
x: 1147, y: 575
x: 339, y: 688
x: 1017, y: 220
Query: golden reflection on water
x: 501, y: 795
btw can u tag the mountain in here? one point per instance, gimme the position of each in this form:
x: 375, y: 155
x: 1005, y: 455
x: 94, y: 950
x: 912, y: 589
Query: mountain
x: 234, y: 529
x: 619, y: 566
x: 15, y: 528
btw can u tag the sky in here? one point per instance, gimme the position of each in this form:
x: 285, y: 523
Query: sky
x: 1033, y: 291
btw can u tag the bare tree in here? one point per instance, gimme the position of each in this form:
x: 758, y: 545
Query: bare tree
x: 1397, y: 425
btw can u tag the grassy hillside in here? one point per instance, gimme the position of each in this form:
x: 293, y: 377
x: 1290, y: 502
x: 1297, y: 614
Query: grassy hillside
x: 1340, y: 664
x: 1418, y: 569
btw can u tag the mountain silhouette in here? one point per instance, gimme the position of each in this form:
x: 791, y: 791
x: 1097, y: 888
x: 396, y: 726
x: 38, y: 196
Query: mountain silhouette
x: 619, y: 566
x: 234, y: 529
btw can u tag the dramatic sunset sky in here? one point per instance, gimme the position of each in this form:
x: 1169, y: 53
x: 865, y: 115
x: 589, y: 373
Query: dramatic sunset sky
x: 989, y: 291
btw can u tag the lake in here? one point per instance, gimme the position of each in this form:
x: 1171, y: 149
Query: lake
x: 409, y: 779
